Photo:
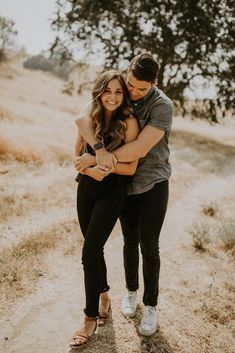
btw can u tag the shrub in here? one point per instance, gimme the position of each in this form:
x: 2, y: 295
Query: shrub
x: 200, y: 232
x: 7, y: 37
x: 68, y: 88
x: 52, y: 64
x: 210, y: 209
x: 226, y: 234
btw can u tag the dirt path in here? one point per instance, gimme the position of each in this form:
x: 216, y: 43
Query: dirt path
x: 191, y: 284
x: 196, y: 289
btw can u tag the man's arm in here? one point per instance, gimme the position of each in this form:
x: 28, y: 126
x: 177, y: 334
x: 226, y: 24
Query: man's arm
x: 95, y: 172
x: 160, y: 120
x: 132, y: 131
x: 103, y: 157
x: 128, y: 168
x: 132, y: 151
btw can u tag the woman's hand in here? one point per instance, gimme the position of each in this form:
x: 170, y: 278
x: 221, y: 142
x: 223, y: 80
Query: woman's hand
x: 84, y: 161
x: 106, y: 159
x: 97, y: 172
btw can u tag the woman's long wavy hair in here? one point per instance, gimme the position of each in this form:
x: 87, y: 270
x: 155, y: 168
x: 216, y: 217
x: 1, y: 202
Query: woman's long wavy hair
x: 112, y: 135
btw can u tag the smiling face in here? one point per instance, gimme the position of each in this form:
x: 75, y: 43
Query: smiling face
x: 112, y: 97
x: 137, y: 88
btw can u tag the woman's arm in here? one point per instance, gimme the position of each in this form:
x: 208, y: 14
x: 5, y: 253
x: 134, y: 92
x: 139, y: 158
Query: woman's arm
x: 82, y: 160
x: 95, y: 172
x: 129, y: 168
x: 126, y: 168
x: 78, y: 145
x: 103, y: 157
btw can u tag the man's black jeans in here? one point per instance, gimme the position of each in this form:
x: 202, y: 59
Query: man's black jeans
x: 98, y: 205
x: 141, y: 219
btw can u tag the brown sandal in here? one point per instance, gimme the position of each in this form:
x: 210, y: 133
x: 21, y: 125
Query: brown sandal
x: 80, y: 337
x: 104, y: 308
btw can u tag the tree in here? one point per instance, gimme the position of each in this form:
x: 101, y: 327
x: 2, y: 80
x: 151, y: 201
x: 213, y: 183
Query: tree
x: 54, y: 63
x: 7, y: 36
x: 190, y: 38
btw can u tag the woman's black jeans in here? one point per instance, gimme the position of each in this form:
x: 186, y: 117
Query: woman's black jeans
x: 98, y: 205
x: 141, y: 220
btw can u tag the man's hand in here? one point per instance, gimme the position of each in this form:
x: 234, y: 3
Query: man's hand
x: 97, y: 173
x: 84, y: 161
x: 106, y: 159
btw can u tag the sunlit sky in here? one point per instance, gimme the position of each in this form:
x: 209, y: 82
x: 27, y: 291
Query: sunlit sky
x: 32, y: 21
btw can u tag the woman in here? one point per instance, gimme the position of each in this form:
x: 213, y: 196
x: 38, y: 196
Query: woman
x: 101, y: 194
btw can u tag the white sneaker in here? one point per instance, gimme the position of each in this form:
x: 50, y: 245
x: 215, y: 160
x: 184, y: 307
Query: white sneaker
x: 129, y: 304
x: 148, y: 324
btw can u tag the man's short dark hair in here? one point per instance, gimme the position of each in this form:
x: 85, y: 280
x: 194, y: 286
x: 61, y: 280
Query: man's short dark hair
x: 144, y: 67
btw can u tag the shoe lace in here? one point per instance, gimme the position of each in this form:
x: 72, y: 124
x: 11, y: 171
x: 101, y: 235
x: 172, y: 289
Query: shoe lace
x: 149, y: 313
x: 130, y: 297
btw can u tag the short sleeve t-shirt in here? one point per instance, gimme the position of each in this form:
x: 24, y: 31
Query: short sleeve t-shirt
x: 156, y: 110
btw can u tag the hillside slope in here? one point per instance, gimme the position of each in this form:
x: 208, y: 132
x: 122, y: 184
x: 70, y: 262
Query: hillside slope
x: 42, y: 306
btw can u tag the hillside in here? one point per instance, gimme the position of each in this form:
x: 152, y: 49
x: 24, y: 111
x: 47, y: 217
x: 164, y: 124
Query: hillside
x: 41, y: 275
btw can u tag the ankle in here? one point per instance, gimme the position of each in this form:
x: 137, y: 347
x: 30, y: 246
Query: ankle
x: 150, y: 306
x: 104, y: 295
x: 132, y: 292
x: 90, y: 319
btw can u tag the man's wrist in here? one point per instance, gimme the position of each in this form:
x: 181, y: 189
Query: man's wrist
x: 86, y: 171
x: 100, y: 151
x: 115, y: 155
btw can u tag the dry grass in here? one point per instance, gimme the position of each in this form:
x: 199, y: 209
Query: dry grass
x: 195, y: 307
x: 210, y: 209
x: 219, y: 234
x: 37, y: 121
x: 15, y: 149
x: 226, y: 234
x: 38, y: 188
x: 205, y: 155
x: 29, y: 142
x: 6, y: 115
x: 222, y: 133
x: 200, y: 233
x: 12, y: 205
x: 22, y: 264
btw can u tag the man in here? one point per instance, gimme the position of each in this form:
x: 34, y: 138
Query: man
x: 147, y: 193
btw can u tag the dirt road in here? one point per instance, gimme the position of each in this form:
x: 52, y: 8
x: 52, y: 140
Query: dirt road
x: 193, y: 285
x: 196, y: 300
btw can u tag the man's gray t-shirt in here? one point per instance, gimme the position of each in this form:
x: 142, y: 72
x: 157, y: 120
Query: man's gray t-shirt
x: 156, y: 110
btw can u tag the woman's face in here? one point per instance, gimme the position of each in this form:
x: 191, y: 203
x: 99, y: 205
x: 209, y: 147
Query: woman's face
x: 112, y: 97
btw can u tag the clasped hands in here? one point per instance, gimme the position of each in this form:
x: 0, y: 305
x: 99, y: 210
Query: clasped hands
x: 97, y: 167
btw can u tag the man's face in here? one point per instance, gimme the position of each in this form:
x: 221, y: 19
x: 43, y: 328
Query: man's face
x: 137, y: 89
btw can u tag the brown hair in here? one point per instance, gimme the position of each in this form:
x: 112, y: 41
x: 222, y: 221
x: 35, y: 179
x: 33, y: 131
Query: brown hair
x: 144, y: 67
x: 113, y: 135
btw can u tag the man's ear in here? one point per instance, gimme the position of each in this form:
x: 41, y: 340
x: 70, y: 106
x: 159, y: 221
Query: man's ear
x: 154, y: 83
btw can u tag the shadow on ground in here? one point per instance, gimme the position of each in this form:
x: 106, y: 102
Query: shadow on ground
x: 104, y: 340
x: 152, y: 344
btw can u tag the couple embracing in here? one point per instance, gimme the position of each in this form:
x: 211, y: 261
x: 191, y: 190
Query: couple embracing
x: 122, y: 156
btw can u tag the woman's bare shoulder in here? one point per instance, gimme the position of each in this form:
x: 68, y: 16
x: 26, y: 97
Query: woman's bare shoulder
x: 80, y: 120
x: 132, y: 129
x: 130, y: 118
